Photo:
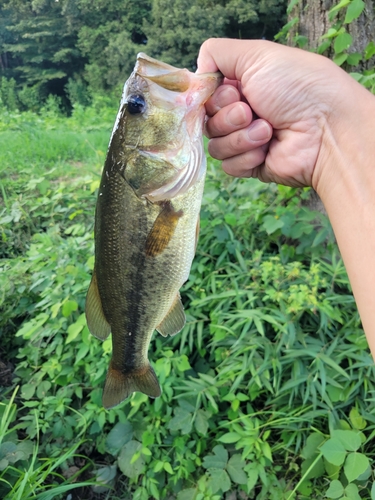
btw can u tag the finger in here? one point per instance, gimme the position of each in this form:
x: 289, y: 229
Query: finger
x: 246, y: 164
x: 240, y: 141
x: 229, y: 119
x: 223, y: 96
x: 213, y: 56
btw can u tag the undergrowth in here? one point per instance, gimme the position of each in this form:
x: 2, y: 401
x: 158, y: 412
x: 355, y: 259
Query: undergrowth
x: 267, y: 392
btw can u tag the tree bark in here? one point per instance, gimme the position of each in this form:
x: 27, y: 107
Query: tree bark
x: 313, y: 22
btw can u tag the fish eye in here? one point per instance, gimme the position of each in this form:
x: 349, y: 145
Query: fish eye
x: 136, y: 104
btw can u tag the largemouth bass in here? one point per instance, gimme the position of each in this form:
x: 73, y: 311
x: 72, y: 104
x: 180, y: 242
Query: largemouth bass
x: 147, y: 219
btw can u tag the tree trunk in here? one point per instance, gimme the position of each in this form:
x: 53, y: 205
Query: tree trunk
x: 313, y: 22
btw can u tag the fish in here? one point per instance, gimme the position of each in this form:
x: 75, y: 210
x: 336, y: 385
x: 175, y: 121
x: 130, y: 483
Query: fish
x: 147, y: 219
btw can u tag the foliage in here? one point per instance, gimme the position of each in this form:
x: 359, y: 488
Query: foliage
x: 71, y: 49
x: 337, y: 42
x: 272, y: 354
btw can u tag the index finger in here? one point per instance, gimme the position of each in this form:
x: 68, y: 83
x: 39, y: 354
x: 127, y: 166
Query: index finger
x: 231, y: 57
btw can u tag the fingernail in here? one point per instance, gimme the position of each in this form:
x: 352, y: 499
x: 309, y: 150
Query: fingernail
x: 258, y: 131
x: 236, y: 116
x: 226, y: 95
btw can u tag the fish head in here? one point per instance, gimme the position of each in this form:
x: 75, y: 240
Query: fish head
x: 158, y: 131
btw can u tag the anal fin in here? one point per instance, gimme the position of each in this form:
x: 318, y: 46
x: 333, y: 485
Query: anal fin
x: 162, y: 230
x: 119, y: 385
x: 96, y: 322
x: 175, y: 320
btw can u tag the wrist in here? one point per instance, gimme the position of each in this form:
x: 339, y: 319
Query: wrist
x: 347, y: 155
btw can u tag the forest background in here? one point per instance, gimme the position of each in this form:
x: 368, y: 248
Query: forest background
x: 72, y: 48
x: 268, y: 392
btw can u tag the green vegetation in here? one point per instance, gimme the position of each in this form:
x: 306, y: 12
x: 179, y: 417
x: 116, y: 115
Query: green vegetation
x: 74, y: 48
x: 266, y: 391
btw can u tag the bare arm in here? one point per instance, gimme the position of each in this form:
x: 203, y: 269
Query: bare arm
x: 315, y: 126
x: 346, y: 186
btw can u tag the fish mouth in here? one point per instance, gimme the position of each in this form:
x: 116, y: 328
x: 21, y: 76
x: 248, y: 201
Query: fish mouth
x: 173, y: 89
x: 175, y: 79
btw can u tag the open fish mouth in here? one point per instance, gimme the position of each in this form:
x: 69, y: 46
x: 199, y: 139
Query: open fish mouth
x: 175, y: 79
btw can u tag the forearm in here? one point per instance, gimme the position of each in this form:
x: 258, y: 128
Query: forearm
x: 347, y: 189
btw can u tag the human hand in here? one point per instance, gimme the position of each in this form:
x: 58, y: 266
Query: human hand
x: 318, y: 126
x: 298, y: 97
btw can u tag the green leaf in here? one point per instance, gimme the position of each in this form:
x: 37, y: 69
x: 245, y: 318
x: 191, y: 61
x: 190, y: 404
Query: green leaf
x: 28, y: 329
x: 219, y: 480
x: 291, y: 4
x: 235, y: 469
x: 333, y: 365
x: 229, y: 437
x: 271, y: 224
x: 339, y: 59
x: 320, y: 237
x: 369, y: 50
x: 335, y: 489
x: 230, y: 219
x: 331, y: 33
x: 201, y: 421
x: 312, y: 444
x: 218, y: 460
x: 182, y: 420
x: 324, y: 46
x: 168, y: 468
x: 188, y: 494
x: 332, y: 471
x: 7, y: 451
x: 373, y: 491
x: 27, y: 391
x: 351, y: 492
x: 355, y: 465
x: 68, y: 307
x: 118, y: 436
x: 354, y: 58
x: 182, y: 363
x: 354, y: 10
x: 43, y: 388
x: 125, y: 461
x: 350, y: 440
x: 339, y: 6
x: 342, y: 42
x: 334, y: 451
x: 73, y: 331
x: 312, y: 467
x: 357, y: 421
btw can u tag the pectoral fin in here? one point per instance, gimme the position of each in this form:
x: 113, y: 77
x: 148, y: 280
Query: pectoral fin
x: 162, y: 230
x: 174, y: 320
x: 96, y: 322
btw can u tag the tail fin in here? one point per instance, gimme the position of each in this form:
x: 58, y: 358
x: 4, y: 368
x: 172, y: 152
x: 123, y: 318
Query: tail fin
x: 118, y: 385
